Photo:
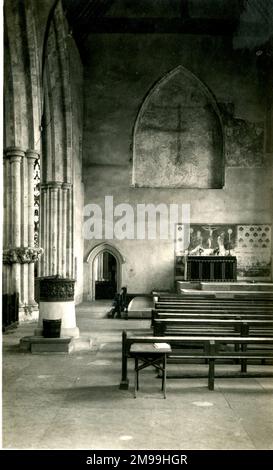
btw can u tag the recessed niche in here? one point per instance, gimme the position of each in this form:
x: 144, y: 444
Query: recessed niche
x: 178, y: 138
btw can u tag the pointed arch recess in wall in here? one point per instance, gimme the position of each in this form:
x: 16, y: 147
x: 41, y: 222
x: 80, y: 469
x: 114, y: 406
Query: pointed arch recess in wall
x: 90, y: 259
x: 178, y: 135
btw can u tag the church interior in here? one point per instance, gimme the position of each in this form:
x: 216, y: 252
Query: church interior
x: 137, y: 224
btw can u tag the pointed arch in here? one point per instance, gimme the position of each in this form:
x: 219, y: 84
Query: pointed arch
x: 57, y: 116
x: 178, y: 96
x: 90, y: 260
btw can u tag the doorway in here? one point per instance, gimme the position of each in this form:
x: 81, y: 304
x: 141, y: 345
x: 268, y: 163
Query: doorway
x: 105, y: 273
x: 93, y: 260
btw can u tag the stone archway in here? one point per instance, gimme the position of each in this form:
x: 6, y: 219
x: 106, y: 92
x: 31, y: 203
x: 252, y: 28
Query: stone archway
x: 102, y: 248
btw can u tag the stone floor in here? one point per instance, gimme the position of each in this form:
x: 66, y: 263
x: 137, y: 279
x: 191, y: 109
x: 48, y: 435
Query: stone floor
x: 74, y: 402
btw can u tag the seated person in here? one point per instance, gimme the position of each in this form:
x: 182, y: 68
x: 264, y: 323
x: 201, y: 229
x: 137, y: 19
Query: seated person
x: 115, y: 309
x: 119, y: 304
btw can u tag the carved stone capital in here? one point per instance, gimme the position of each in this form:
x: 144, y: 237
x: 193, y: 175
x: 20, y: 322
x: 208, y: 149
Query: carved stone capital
x: 67, y: 186
x: 21, y: 255
x: 14, y: 154
x: 53, y: 185
x: 32, y: 154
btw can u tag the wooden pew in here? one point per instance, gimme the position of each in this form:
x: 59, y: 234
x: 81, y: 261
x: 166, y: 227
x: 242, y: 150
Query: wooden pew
x: 213, y: 326
x: 211, y: 349
x: 162, y: 314
x: 238, y: 298
x: 214, y: 302
x: 212, y: 306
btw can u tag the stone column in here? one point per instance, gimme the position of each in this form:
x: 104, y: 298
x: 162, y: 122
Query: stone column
x: 55, y: 224
x: 15, y: 156
x: 7, y: 242
x: 18, y: 251
x: 56, y: 239
x: 56, y: 229
x: 32, y: 155
x: 70, y: 248
x: 66, y: 188
x: 24, y: 201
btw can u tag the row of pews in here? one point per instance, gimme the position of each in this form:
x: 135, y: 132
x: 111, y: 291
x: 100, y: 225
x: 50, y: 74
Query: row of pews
x: 209, y: 329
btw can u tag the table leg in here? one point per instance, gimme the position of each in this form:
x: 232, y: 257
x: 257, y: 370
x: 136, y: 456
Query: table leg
x: 124, y: 384
x: 164, y: 374
x: 136, y: 378
x: 137, y: 373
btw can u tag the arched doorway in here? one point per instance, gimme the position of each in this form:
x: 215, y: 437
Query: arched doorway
x: 105, y: 271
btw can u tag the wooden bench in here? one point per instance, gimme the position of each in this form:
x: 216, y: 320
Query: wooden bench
x: 213, y: 308
x: 214, y: 304
x: 215, y: 326
x: 211, y: 350
x: 262, y: 295
x: 221, y: 298
x: 162, y: 314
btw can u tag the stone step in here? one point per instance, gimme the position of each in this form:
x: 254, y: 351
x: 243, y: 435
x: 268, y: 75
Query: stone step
x: 63, y: 345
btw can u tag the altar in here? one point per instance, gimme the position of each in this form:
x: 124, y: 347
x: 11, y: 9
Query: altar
x: 211, y: 268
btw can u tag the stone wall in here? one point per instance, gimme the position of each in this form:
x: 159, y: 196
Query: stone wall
x: 120, y: 72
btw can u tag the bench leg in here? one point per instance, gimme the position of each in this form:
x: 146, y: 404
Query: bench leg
x: 211, y: 374
x: 244, y: 361
x: 237, y: 349
x: 243, y: 365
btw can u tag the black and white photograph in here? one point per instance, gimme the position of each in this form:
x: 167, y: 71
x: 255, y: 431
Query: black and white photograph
x: 136, y: 220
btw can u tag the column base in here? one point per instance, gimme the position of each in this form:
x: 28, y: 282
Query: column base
x: 39, y: 344
x: 59, y: 310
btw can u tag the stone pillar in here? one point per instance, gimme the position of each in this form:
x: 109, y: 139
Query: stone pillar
x: 15, y: 156
x: 66, y: 188
x: 56, y: 239
x: 70, y: 250
x: 7, y: 242
x: 19, y: 254
x: 31, y: 157
x: 56, y: 229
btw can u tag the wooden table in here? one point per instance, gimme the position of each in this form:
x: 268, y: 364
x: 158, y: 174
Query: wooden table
x: 153, y: 354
